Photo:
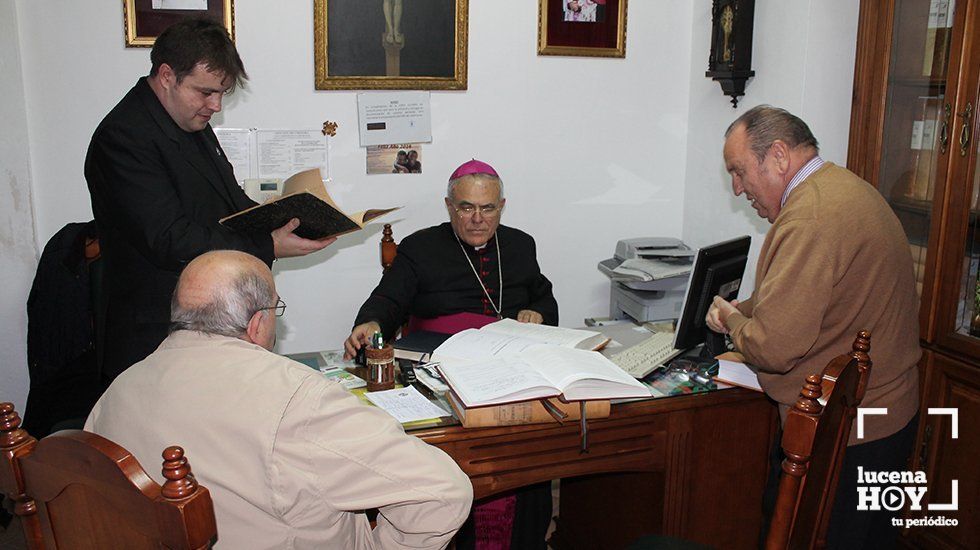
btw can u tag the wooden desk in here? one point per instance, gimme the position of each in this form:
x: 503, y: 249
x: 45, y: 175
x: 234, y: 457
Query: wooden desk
x: 692, y: 466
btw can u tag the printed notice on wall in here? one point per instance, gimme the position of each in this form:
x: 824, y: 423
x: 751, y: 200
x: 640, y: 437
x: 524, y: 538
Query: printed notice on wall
x: 274, y: 154
x: 282, y: 153
x: 237, y: 145
x: 395, y: 117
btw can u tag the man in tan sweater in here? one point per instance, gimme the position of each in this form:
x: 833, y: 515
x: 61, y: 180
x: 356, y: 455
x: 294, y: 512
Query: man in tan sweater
x: 291, y: 459
x: 835, y: 261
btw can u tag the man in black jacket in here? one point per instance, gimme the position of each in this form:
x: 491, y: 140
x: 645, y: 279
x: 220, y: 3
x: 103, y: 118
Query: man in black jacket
x: 160, y: 182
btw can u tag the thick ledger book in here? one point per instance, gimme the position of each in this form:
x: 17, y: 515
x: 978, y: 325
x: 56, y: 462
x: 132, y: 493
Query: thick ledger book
x: 524, y: 412
x: 510, y: 336
x: 418, y: 345
x: 732, y: 369
x: 487, y: 368
x: 305, y: 197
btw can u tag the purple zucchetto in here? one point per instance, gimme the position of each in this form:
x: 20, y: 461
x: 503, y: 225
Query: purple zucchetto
x: 473, y: 167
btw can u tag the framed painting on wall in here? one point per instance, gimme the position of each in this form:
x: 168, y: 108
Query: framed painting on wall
x: 144, y: 20
x: 390, y: 44
x: 582, y: 28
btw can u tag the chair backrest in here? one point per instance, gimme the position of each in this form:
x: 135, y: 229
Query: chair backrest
x: 75, y: 489
x: 815, y: 438
x: 389, y: 248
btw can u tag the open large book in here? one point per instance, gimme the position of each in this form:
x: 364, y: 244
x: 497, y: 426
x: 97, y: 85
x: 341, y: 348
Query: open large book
x: 305, y: 197
x: 508, y: 336
x: 490, y: 367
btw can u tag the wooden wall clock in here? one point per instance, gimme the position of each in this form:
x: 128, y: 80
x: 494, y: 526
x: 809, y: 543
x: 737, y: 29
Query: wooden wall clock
x: 730, y: 58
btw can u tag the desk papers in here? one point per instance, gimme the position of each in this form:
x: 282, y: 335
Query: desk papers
x: 405, y: 404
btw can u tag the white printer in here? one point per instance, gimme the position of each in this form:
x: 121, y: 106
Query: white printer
x: 648, y: 278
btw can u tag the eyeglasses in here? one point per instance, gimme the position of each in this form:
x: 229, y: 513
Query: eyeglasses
x: 487, y: 210
x: 279, y: 308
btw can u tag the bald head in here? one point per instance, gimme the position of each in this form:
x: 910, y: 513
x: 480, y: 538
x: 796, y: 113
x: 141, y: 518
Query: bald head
x: 219, y: 292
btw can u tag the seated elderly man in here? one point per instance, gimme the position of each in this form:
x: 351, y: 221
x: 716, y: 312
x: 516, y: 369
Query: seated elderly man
x: 291, y: 459
x: 470, y: 265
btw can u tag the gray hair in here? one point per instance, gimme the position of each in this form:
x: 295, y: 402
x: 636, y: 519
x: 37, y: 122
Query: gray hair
x: 484, y: 177
x: 230, y: 309
x: 764, y: 124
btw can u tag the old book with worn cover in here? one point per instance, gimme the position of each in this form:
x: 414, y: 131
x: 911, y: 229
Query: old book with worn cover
x: 524, y: 412
x: 305, y: 197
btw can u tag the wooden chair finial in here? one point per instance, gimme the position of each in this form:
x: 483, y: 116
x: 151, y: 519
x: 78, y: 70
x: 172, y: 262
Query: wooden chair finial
x: 810, y: 394
x: 389, y: 249
x: 180, y: 482
x: 11, y: 433
x: 861, y: 348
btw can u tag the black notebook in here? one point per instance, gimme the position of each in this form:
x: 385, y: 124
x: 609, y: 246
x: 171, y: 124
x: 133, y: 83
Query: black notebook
x: 418, y: 344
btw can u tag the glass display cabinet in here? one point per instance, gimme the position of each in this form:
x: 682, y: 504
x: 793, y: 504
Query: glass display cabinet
x: 913, y: 136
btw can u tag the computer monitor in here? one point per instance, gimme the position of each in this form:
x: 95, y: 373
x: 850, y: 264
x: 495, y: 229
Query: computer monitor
x: 717, y: 271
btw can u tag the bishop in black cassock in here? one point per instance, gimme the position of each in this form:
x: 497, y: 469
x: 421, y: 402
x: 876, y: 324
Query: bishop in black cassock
x: 470, y: 264
x: 431, y: 277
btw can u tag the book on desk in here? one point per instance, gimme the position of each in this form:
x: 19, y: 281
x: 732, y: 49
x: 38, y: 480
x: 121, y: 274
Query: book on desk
x: 733, y: 370
x: 418, y: 345
x: 525, y: 412
x: 493, y: 368
x: 499, y: 338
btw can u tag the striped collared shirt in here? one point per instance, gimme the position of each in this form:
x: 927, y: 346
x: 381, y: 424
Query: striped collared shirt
x: 808, y: 168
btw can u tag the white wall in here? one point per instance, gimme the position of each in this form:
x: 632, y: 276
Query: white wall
x: 16, y: 219
x: 588, y: 148
x: 591, y: 150
x: 803, y: 57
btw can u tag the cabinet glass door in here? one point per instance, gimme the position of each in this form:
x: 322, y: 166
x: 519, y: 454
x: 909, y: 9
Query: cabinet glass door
x: 968, y: 304
x: 959, y: 303
x: 913, y: 146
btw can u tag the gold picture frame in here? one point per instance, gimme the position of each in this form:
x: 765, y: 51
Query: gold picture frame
x: 348, y: 55
x: 597, y: 30
x: 142, y: 24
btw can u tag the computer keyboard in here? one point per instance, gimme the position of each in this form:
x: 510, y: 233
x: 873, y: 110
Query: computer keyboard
x: 645, y: 357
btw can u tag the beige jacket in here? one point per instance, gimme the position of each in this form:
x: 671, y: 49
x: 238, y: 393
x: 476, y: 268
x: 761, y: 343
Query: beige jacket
x: 290, y: 458
x: 835, y: 261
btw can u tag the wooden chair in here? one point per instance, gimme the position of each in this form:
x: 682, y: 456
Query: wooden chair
x: 814, y: 440
x: 75, y: 489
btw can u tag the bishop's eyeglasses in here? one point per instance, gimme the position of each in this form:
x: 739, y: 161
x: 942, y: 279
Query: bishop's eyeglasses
x: 467, y: 209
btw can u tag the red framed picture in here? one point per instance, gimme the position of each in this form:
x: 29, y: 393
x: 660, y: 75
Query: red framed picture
x: 144, y: 20
x: 582, y: 28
